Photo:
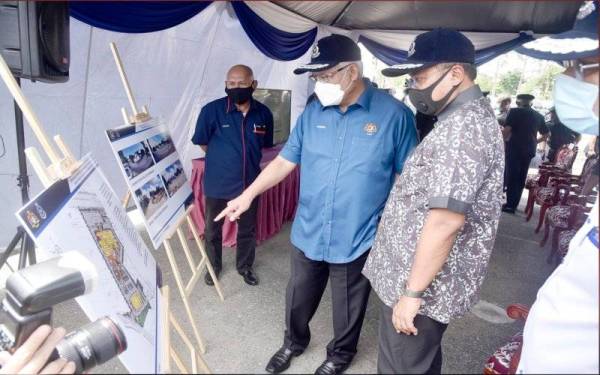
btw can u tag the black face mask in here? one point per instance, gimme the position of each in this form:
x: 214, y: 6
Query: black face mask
x: 240, y: 95
x: 422, y: 100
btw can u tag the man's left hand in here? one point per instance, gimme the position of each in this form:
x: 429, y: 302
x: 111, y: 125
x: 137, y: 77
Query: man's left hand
x: 404, y: 313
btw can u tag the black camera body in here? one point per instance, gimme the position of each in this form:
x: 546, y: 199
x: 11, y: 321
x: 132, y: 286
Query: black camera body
x: 16, y: 328
x: 27, y: 304
x: 32, y: 291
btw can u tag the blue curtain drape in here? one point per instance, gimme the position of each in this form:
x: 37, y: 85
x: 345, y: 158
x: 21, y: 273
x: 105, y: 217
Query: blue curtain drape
x: 135, y: 16
x: 392, y: 56
x: 490, y: 53
x: 388, y: 55
x: 274, y: 43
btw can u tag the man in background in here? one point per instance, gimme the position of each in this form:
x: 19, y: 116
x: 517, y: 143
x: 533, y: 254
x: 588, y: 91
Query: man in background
x: 232, y: 131
x: 520, y: 132
x: 504, y: 108
x: 425, y: 124
x: 560, y: 135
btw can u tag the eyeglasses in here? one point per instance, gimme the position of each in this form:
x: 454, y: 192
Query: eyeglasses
x: 235, y: 84
x: 327, y: 77
x: 412, y: 82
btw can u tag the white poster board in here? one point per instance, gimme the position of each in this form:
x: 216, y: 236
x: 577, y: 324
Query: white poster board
x: 84, y: 214
x: 154, y: 173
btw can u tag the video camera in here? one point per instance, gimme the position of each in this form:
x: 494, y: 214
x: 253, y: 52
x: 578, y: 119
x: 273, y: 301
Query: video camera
x: 30, y: 295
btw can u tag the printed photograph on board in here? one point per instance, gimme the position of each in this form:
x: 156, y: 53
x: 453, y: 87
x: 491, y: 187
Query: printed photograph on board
x: 174, y: 177
x: 152, y: 196
x: 136, y: 159
x: 161, y: 146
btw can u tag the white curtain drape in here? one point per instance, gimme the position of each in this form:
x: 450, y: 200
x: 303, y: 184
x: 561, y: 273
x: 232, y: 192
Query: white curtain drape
x: 174, y: 72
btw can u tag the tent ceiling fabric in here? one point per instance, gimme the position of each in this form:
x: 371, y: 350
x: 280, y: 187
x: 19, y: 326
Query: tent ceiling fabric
x: 323, y: 12
x: 541, y: 17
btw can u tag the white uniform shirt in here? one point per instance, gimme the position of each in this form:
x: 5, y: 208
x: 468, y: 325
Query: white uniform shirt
x: 561, y: 332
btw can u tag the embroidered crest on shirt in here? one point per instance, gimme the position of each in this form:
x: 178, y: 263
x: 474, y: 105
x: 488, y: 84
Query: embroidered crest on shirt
x: 260, y: 129
x: 370, y: 128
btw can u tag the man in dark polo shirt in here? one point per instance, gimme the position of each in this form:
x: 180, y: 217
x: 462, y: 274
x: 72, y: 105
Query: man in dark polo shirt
x: 232, y: 131
x: 520, y: 131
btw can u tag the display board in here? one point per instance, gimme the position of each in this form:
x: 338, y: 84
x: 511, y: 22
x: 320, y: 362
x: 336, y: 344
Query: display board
x: 280, y: 104
x: 83, y: 214
x: 150, y: 163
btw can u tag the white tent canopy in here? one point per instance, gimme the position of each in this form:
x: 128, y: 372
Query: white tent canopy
x: 178, y: 70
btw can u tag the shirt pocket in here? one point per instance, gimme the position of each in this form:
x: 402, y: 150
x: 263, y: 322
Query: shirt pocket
x: 366, y: 155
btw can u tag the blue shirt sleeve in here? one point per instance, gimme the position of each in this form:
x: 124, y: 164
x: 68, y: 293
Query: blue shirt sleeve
x: 204, y: 127
x: 293, y: 147
x: 406, y: 138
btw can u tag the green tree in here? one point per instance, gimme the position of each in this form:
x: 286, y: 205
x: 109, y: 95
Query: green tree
x: 508, y: 83
x: 485, y: 82
x: 541, y: 84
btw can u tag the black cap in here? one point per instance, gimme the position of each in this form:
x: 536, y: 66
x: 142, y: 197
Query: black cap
x: 526, y: 97
x: 330, y: 51
x: 434, y: 47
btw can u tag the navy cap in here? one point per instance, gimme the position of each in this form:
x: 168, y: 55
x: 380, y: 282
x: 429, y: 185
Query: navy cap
x: 434, y: 47
x: 525, y: 97
x: 330, y: 51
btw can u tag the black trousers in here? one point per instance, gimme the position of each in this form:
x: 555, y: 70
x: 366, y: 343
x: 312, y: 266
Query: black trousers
x: 403, y: 354
x: 246, y: 235
x: 517, y: 165
x: 551, y: 154
x: 350, y: 294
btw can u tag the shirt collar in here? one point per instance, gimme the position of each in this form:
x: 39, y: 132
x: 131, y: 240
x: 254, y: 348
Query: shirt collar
x: 470, y: 94
x: 230, y: 107
x: 364, y: 100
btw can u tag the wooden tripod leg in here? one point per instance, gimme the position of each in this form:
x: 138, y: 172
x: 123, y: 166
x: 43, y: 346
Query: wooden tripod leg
x: 209, y: 266
x: 165, y: 330
x: 196, y: 358
x: 183, y: 294
x: 38, y: 166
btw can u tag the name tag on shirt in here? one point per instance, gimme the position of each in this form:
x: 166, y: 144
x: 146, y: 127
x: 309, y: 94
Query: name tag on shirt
x: 225, y: 126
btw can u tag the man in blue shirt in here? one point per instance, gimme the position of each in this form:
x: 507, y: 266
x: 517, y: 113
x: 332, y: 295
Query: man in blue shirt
x: 351, y: 143
x: 232, y: 131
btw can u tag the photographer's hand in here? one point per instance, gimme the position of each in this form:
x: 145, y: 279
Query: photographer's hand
x: 32, y: 356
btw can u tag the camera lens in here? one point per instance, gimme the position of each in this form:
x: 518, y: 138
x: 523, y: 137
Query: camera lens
x: 92, y: 344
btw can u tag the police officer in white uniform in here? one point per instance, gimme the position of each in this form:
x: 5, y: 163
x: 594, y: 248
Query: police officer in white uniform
x: 561, y: 332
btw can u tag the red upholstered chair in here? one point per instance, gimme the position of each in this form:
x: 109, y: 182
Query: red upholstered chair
x: 548, y: 196
x: 561, y: 218
x: 562, y: 164
x: 505, y: 360
x: 558, y: 186
x: 564, y: 239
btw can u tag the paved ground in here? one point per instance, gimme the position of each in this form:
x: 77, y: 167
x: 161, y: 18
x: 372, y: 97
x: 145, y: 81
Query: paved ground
x: 247, y: 328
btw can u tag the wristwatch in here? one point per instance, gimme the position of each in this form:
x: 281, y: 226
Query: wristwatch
x: 411, y: 293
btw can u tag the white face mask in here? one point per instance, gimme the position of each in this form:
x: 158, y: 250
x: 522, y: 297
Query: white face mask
x: 574, y: 103
x: 330, y: 93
